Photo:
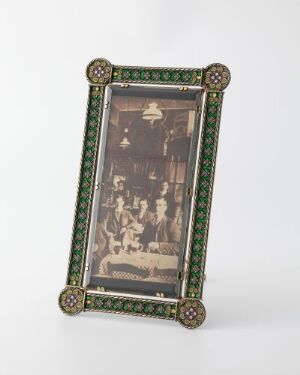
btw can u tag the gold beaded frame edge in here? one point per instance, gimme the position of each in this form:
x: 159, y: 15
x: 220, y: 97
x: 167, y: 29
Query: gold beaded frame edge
x: 188, y: 309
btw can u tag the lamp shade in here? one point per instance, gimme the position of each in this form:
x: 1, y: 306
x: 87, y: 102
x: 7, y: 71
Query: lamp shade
x: 152, y: 113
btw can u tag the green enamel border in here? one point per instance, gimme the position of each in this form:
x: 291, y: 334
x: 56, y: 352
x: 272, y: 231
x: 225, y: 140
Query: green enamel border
x: 203, y: 194
x: 203, y: 78
x: 131, y: 306
x: 86, y: 185
x: 163, y: 76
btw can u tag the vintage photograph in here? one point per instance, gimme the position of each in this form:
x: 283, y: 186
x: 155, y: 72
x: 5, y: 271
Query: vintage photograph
x: 140, y: 219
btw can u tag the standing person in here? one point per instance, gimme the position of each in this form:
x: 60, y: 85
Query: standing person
x: 161, y: 234
x: 120, y: 189
x: 164, y: 193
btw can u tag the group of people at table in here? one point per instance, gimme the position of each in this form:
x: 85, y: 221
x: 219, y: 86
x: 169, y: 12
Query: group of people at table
x: 153, y: 229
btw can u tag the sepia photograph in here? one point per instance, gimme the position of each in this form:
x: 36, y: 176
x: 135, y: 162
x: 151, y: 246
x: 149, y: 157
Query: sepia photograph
x: 139, y: 232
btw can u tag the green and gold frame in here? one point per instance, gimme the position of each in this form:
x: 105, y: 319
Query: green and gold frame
x: 162, y: 278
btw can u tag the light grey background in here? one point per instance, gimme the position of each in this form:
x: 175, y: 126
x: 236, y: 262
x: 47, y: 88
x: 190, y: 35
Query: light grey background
x: 252, y: 290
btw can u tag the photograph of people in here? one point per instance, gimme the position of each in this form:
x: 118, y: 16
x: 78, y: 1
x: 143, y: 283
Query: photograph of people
x: 138, y: 233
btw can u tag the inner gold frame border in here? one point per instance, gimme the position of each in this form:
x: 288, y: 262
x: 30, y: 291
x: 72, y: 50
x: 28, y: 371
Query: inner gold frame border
x: 188, y: 310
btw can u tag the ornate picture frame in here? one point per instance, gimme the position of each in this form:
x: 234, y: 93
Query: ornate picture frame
x: 185, y: 305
